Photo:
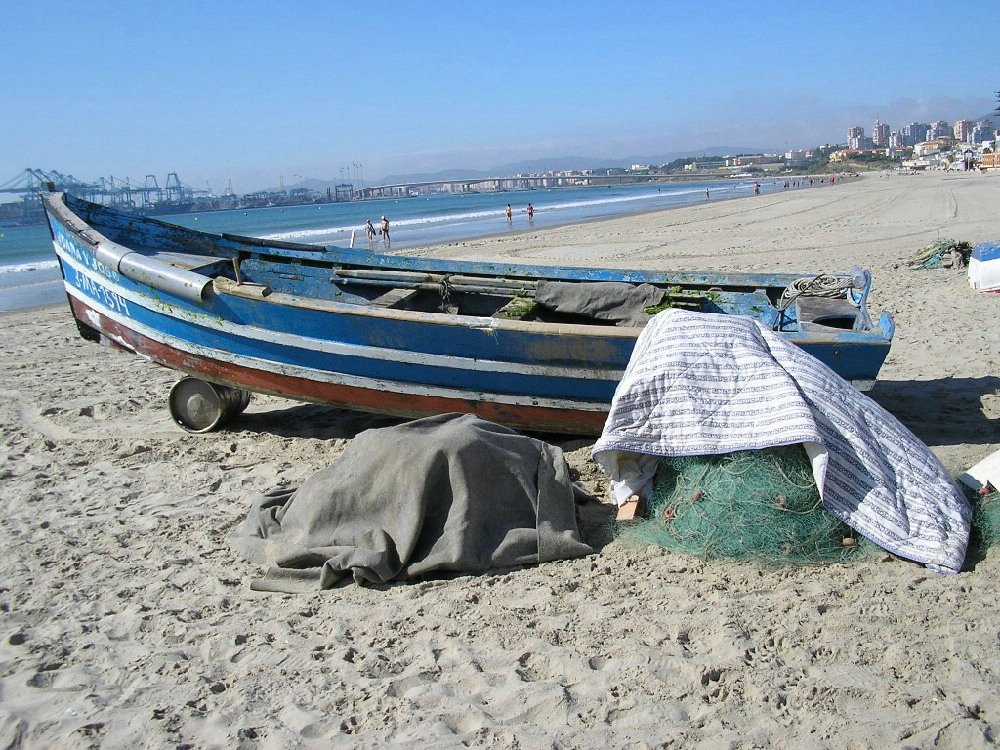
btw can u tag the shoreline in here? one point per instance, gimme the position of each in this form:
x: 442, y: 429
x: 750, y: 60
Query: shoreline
x: 129, y: 621
x: 438, y: 247
x: 648, y: 219
x: 34, y: 308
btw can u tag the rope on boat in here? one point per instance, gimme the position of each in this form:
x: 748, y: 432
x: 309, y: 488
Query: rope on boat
x: 821, y: 285
x: 445, y: 294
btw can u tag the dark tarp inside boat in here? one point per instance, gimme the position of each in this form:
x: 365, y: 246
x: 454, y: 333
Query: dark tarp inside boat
x: 449, y: 493
x: 624, y: 304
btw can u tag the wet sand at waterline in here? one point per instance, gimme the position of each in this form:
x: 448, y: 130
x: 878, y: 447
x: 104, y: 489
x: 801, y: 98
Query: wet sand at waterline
x: 128, y: 620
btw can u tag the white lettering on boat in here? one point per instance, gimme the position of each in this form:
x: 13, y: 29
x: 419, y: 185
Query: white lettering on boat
x: 110, y: 299
x: 71, y: 246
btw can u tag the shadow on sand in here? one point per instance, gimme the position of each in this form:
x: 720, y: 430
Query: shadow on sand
x: 329, y: 422
x: 311, y: 421
x: 948, y: 411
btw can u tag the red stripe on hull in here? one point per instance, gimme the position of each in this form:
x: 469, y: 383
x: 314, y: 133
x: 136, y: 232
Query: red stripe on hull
x: 541, y: 418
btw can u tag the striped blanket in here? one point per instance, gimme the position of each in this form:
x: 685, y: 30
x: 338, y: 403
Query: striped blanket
x: 700, y: 384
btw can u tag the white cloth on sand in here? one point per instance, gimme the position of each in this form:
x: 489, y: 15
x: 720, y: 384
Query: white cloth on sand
x: 705, y: 384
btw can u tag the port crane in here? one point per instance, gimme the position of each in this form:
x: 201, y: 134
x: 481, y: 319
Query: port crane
x: 122, y: 192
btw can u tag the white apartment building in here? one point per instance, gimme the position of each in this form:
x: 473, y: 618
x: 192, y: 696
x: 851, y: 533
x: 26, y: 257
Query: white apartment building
x: 880, y: 134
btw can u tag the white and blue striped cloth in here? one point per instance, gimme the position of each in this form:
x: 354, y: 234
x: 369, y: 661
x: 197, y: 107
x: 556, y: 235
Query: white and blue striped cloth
x: 700, y: 384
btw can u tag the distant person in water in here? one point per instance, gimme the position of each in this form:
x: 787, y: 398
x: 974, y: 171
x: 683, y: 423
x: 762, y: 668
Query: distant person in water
x: 385, y: 231
x: 530, y: 211
x: 708, y: 196
x: 509, y: 213
x: 370, y: 231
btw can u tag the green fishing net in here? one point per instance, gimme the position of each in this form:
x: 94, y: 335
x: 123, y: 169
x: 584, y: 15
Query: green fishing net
x: 942, y: 254
x: 760, y: 506
x: 985, y: 522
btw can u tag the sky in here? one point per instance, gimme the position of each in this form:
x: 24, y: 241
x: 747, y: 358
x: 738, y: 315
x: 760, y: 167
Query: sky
x: 250, y: 93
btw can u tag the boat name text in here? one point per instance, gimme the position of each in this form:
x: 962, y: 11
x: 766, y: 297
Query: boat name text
x: 110, y: 299
x: 69, y: 245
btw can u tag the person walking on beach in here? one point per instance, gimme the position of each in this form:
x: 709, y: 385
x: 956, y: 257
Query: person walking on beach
x: 385, y: 231
x: 510, y: 214
x: 530, y: 210
x: 370, y: 231
x: 708, y: 196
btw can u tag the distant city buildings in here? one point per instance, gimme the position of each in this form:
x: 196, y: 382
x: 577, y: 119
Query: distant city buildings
x: 939, y: 129
x: 982, y: 132
x: 856, y: 138
x: 703, y: 163
x: 963, y: 131
x: 916, y: 133
x: 919, y: 145
x: 880, y: 134
x: 746, y: 161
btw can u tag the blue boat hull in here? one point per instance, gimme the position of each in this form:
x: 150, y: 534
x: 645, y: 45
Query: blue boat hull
x: 306, y: 322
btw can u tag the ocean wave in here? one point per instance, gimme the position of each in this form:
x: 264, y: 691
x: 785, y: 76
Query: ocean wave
x: 305, y: 234
x: 38, y: 265
x: 454, y: 219
x: 634, y: 198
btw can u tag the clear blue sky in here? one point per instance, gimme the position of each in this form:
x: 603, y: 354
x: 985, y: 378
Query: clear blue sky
x: 251, y: 91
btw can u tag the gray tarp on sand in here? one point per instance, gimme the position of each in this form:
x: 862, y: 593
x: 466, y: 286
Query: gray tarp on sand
x: 450, y: 493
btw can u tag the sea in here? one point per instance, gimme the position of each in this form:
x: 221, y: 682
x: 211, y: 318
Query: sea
x: 29, y: 273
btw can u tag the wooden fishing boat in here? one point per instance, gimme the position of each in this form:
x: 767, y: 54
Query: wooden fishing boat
x: 403, y: 335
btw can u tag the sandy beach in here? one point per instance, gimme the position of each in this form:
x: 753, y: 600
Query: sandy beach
x: 128, y: 621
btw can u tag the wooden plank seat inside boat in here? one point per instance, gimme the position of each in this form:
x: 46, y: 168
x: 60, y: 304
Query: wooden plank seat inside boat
x: 394, y: 298
x: 516, y: 309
